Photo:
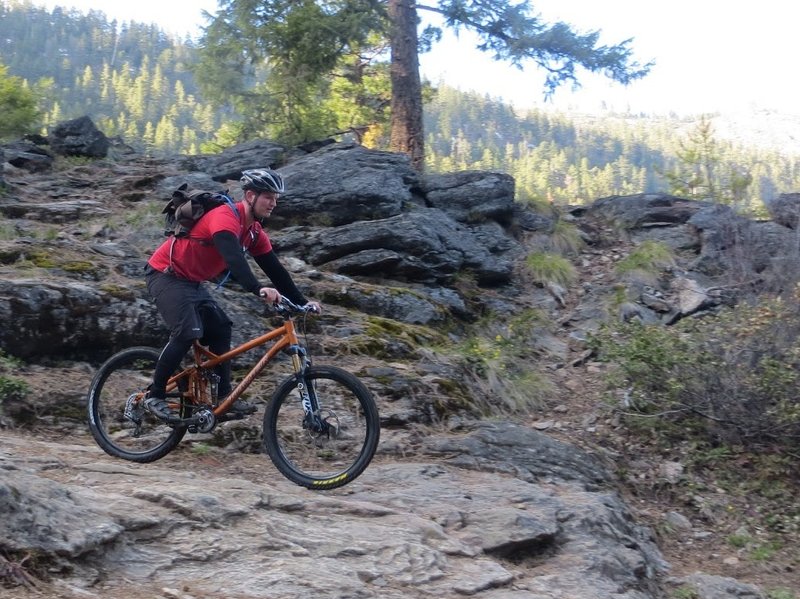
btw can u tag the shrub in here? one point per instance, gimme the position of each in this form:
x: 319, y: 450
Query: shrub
x: 649, y: 258
x: 732, y: 377
x: 548, y: 268
x: 498, y: 367
x: 566, y: 238
x: 12, y: 388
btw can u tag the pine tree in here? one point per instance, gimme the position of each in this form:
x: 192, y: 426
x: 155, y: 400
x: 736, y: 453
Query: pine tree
x: 17, y: 105
x: 300, y: 44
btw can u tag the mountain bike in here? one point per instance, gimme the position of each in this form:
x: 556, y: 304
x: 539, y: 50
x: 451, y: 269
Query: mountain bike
x: 321, y: 425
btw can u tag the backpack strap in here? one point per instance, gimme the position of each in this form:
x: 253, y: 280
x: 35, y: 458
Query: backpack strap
x: 230, y: 203
x: 233, y: 207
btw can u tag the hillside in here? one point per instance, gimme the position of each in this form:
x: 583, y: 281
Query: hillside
x: 139, y: 86
x: 758, y: 128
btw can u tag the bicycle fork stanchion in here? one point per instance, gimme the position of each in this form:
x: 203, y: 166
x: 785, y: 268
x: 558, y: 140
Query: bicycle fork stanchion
x: 312, y: 420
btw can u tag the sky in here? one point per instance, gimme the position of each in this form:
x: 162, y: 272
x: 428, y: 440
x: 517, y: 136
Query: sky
x: 710, y: 55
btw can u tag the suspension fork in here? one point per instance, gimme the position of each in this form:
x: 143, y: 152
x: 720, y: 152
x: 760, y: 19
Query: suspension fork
x: 300, y: 364
x: 308, y: 397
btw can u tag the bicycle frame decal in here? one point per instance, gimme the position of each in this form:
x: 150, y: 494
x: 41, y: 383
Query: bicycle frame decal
x: 304, y: 397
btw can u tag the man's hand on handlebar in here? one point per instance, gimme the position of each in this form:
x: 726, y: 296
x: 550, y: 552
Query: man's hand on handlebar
x: 314, y: 307
x: 272, y: 297
x: 269, y: 295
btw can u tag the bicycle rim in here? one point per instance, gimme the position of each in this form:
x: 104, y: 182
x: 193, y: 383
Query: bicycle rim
x: 117, y: 418
x: 322, y: 460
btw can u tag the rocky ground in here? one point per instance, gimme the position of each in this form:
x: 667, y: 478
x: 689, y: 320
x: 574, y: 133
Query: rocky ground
x: 693, y: 515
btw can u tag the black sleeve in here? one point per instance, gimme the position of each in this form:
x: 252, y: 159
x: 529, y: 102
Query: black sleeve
x: 227, y: 245
x: 280, y: 277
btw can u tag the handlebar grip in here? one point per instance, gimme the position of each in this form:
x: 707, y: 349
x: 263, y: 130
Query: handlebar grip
x: 265, y: 295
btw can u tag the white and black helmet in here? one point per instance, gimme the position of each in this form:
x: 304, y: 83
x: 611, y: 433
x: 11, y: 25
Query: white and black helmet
x: 262, y: 179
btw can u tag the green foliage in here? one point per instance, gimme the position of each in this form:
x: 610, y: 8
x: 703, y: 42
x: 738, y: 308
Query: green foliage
x: 567, y: 159
x: 79, y: 266
x: 766, y: 551
x: 275, y: 59
x: 499, y: 367
x: 42, y: 259
x: 739, y: 541
x: 360, y: 98
x: 7, y: 230
x: 68, y: 162
x: 702, y: 172
x: 9, y: 362
x: 389, y: 339
x: 515, y: 33
x: 229, y: 134
x: 545, y: 267
x: 201, y: 449
x: 124, y: 293
x: 649, y: 259
x: 135, y: 82
x: 145, y: 215
x: 731, y: 378
x: 698, y: 158
x: 11, y: 387
x: 386, y: 328
x: 296, y: 71
x: 17, y: 105
x: 565, y: 238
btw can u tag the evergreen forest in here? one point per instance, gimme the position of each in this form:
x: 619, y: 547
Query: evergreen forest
x: 137, y: 84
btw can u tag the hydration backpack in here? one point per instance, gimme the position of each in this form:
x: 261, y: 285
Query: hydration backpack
x: 186, y: 207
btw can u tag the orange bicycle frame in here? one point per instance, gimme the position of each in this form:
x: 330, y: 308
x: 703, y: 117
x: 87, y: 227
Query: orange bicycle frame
x: 285, y: 336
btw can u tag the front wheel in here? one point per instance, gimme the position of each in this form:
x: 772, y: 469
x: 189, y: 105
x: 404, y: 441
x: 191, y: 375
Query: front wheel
x: 118, y: 419
x: 334, y: 445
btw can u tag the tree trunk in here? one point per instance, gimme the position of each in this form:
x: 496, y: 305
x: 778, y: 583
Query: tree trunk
x: 406, y: 135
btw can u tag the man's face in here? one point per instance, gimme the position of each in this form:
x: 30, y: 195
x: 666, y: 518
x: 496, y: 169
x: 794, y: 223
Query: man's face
x: 265, y: 203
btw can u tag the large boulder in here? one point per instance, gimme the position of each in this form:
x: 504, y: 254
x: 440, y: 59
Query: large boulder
x: 343, y: 183
x: 55, y: 318
x: 229, y: 164
x: 79, y: 137
x: 784, y: 209
x: 26, y: 155
x: 645, y: 210
x: 737, y: 249
x: 471, y: 196
x: 424, y: 246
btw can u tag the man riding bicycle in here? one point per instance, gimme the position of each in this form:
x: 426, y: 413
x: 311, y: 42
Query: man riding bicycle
x: 178, y: 268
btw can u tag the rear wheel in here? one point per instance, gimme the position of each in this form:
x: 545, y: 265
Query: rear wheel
x: 118, y: 419
x: 337, y: 443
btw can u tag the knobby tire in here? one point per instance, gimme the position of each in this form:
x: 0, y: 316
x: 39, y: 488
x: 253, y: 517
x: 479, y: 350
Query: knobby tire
x: 322, y: 461
x: 120, y: 377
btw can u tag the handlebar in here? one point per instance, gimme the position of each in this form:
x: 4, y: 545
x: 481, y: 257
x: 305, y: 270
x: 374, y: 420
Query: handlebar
x: 287, y: 306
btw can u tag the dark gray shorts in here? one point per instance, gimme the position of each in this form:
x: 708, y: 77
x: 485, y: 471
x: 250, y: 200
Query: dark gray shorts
x: 185, y: 306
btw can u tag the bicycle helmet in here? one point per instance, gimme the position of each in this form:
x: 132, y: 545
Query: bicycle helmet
x: 262, y: 179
